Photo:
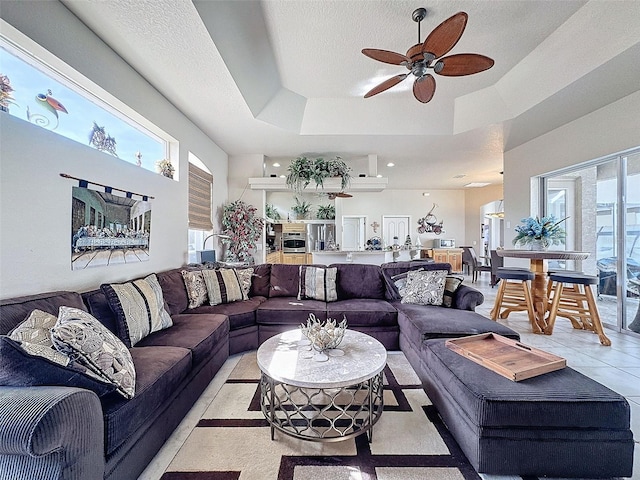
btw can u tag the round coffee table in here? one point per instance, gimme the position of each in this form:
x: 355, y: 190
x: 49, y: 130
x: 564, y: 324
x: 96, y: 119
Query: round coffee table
x: 327, y: 401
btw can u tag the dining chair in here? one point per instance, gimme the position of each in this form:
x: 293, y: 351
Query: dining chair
x: 476, y: 266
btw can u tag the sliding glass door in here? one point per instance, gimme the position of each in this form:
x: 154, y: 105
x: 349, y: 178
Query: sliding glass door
x: 601, y: 201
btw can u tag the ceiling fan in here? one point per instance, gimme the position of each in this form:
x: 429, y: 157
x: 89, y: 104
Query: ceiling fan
x: 427, y: 55
x: 334, y: 195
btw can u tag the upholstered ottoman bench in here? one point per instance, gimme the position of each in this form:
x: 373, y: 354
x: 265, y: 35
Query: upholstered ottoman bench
x: 559, y: 424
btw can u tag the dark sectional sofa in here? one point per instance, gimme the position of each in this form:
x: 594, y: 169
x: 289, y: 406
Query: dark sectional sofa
x: 70, y: 433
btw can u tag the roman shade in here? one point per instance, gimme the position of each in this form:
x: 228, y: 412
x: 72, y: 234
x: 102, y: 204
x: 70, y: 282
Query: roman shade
x: 200, y: 183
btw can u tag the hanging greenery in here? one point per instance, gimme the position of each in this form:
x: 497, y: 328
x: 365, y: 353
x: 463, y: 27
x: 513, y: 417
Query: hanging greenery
x: 302, y: 171
x: 244, y: 228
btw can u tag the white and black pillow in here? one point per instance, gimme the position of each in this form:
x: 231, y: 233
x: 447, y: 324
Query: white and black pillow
x: 196, y: 288
x: 425, y: 287
x: 86, y: 341
x: 223, y: 286
x: 318, y: 283
x: 34, y: 337
x: 139, y: 308
x: 400, y: 280
x: 450, y: 287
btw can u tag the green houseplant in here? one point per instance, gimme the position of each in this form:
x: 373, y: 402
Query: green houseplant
x: 326, y: 212
x: 244, y: 228
x: 302, y: 171
x: 301, y: 208
x: 271, y: 212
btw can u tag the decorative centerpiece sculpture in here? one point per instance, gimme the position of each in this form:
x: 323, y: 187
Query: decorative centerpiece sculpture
x: 325, y: 337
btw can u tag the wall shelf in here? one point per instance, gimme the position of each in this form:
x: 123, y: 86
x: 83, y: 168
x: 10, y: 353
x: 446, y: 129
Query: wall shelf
x: 331, y: 185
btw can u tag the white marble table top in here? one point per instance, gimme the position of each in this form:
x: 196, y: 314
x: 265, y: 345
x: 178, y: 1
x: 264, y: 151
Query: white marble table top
x: 279, y: 358
x: 543, y: 254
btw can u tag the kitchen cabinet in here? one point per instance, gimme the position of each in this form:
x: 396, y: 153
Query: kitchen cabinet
x: 452, y: 256
x: 295, y: 258
x: 274, y: 257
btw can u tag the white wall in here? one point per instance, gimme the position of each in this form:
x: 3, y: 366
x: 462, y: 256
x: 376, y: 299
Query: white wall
x: 611, y: 129
x: 35, y: 202
x: 475, y: 198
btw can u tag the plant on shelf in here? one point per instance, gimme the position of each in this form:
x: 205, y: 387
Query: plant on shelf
x: 326, y: 212
x: 540, y: 233
x: 271, y: 212
x: 6, y: 98
x: 301, y: 209
x: 165, y: 168
x: 302, y: 171
x: 244, y: 228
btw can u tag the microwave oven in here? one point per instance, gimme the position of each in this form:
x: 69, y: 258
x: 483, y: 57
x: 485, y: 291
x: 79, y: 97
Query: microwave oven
x: 444, y: 243
x: 294, y: 242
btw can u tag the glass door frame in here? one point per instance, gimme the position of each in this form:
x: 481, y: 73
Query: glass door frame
x: 621, y: 222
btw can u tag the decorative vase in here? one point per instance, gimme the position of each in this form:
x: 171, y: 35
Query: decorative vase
x: 538, y: 245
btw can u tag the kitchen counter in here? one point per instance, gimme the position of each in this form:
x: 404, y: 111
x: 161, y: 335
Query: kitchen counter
x: 369, y: 257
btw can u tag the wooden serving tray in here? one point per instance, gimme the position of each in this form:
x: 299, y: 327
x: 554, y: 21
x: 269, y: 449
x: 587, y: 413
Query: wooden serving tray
x: 507, y: 357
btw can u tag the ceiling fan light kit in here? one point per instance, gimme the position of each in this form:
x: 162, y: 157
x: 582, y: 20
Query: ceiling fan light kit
x: 422, y: 57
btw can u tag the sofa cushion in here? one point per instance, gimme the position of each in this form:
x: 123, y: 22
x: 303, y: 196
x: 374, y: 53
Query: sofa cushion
x: 223, y: 286
x: 20, y: 369
x: 139, y: 308
x: 284, y: 280
x: 289, y: 311
x: 196, y: 288
x: 173, y: 290
x: 392, y: 269
x: 451, y: 286
x: 14, y: 310
x: 160, y: 371
x: 241, y: 314
x: 78, y: 334
x: 34, y: 337
x: 260, y: 280
x: 245, y: 276
x: 422, y: 322
x: 199, y: 333
x: 425, y: 287
x: 359, y: 281
x: 363, y: 312
x: 317, y: 283
x: 98, y: 306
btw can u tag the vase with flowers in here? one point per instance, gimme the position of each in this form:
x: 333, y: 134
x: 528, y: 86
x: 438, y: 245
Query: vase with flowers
x: 243, y: 227
x: 540, y: 233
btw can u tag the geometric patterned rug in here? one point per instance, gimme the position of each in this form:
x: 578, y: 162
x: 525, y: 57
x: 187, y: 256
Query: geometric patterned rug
x: 232, y: 439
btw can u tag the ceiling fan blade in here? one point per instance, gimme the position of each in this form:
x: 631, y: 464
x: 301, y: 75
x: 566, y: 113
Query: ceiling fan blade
x: 463, y: 64
x: 424, y: 87
x: 343, y: 195
x: 445, y: 36
x: 388, y: 83
x: 386, y: 56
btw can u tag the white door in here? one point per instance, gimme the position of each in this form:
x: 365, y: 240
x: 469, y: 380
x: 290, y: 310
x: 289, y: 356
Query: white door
x: 396, y: 226
x: 353, y: 231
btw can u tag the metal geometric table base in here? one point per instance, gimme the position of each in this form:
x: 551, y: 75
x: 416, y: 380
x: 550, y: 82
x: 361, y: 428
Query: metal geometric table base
x: 322, y: 414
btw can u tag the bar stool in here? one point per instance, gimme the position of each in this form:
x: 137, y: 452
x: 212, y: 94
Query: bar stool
x: 570, y: 303
x: 566, y: 288
x: 514, y: 293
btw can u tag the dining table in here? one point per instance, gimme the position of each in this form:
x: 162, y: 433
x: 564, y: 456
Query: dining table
x: 538, y: 261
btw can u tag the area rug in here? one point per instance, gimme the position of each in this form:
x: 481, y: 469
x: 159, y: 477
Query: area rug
x: 232, y: 439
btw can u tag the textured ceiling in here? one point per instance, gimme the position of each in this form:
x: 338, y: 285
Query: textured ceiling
x: 284, y: 78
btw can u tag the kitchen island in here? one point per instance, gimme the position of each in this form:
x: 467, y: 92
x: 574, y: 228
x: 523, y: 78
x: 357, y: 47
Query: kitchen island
x: 369, y: 257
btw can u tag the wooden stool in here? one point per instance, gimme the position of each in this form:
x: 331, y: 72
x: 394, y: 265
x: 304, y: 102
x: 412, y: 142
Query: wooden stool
x: 576, y: 303
x: 567, y: 288
x: 514, y: 293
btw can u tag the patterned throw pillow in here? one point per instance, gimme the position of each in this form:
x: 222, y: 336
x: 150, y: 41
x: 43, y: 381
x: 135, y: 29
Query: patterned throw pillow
x: 34, y: 337
x: 450, y: 287
x: 400, y: 280
x: 425, y: 288
x: 245, y: 275
x: 223, y: 286
x: 78, y: 334
x: 196, y: 288
x: 318, y: 283
x: 139, y: 308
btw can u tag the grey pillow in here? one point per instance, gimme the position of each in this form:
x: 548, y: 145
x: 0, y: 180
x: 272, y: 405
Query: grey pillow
x: 450, y: 287
x: 223, y: 286
x: 196, y: 287
x: 318, y: 283
x: 425, y: 288
x: 34, y: 337
x: 82, y: 337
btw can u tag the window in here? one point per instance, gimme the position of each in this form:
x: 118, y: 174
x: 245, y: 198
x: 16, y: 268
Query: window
x: 200, y: 226
x: 35, y: 92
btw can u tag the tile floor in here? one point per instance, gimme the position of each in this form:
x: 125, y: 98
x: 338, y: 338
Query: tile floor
x: 617, y: 367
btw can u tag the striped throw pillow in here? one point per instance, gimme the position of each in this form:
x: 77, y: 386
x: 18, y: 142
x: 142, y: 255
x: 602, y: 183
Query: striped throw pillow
x: 318, y: 283
x: 139, y: 308
x: 223, y: 286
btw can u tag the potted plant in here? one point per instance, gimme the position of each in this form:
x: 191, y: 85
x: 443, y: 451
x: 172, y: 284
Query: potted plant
x: 301, y: 209
x: 271, y: 212
x: 326, y: 212
x: 165, y: 168
x: 5, y: 93
x: 244, y: 228
x: 539, y: 233
x: 302, y: 171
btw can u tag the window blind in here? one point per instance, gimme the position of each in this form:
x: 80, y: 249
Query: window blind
x: 200, y: 184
